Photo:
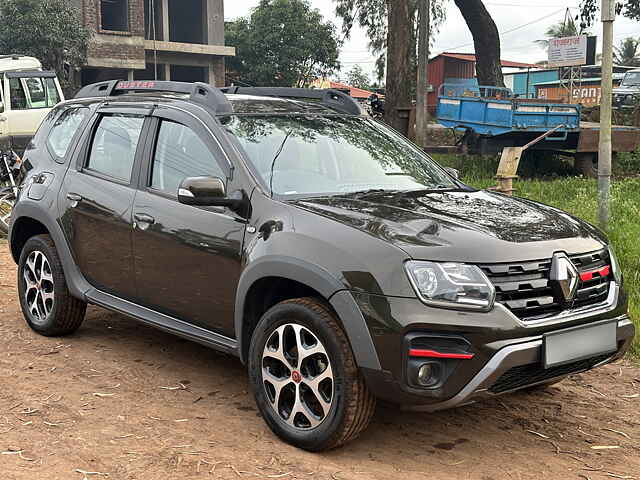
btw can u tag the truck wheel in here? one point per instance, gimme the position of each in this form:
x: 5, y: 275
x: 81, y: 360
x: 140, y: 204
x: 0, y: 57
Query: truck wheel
x: 305, y: 379
x: 46, y: 303
x: 587, y: 164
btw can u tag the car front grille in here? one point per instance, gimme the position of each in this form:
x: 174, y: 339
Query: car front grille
x: 524, y: 287
x: 524, y: 375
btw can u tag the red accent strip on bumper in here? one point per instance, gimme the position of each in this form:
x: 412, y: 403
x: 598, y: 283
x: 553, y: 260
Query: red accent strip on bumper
x: 603, y: 272
x: 414, y: 352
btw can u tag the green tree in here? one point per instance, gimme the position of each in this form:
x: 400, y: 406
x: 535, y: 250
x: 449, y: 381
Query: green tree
x: 590, y: 8
x: 50, y: 30
x: 357, y: 78
x: 282, y: 43
x: 627, y: 53
x: 391, y: 27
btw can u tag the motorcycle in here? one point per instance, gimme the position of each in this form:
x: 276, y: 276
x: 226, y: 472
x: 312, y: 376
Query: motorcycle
x: 375, y: 107
x: 10, y: 164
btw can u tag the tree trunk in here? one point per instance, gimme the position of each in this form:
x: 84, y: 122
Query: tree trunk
x: 398, y: 88
x: 486, y: 40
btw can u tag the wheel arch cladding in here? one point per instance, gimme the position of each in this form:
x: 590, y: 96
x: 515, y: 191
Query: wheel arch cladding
x: 304, y: 279
x: 21, y: 231
x: 30, y: 221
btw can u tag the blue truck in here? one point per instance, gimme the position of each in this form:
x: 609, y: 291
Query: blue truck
x: 492, y: 118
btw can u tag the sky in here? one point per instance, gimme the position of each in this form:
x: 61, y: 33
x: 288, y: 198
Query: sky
x: 520, y: 22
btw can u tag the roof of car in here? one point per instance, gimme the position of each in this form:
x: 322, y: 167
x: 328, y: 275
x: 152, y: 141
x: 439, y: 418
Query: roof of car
x: 229, y: 100
x: 248, y: 104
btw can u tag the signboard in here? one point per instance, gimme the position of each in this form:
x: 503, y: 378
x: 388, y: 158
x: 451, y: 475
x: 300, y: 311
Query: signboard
x: 572, y: 51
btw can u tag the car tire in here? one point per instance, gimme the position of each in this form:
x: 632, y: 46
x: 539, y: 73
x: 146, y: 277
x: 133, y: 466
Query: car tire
x: 331, y: 400
x: 46, y: 303
x: 587, y: 164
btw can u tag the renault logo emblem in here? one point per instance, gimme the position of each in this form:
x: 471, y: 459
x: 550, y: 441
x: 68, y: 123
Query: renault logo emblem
x: 564, y: 277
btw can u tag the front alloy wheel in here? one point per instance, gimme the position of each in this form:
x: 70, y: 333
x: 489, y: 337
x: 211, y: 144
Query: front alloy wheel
x: 297, y: 376
x: 304, y: 376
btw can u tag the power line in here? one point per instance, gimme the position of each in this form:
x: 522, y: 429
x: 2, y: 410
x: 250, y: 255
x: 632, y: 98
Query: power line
x: 511, y: 30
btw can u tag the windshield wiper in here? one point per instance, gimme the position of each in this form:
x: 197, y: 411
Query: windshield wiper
x: 371, y: 192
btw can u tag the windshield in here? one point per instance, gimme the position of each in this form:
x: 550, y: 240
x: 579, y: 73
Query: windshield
x: 330, y: 155
x: 632, y: 78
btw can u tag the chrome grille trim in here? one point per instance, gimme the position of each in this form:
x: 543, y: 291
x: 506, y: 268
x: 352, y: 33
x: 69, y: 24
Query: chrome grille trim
x: 524, y: 287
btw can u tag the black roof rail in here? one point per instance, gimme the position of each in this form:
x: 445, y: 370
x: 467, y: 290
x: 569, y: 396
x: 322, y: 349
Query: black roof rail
x: 198, y: 92
x: 331, y: 98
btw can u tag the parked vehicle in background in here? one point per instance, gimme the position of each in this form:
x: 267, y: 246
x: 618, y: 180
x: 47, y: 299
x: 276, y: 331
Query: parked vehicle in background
x: 27, y: 95
x: 338, y: 261
x: 10, y: 166
x: 627, y: 94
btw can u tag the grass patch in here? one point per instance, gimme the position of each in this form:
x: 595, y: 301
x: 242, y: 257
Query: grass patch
x: 578, y: 196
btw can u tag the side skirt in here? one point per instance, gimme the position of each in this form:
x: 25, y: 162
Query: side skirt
x: 163, y: 322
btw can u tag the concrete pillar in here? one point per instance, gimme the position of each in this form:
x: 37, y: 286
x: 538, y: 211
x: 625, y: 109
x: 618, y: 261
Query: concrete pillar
x: 130, y: 75
x: 211, y: 77
x: 216, y: 73
x: 167, y: 71
x: 214, y: 17
x: 164, y: 12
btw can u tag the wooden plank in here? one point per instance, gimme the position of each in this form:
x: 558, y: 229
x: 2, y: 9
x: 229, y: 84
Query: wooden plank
x: 509, y: 161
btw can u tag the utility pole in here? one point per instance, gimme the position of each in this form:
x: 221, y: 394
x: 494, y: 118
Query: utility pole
x: 604, y: 156
x: 422, y: 87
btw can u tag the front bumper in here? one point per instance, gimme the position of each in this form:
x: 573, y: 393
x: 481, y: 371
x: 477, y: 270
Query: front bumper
x: 507, y: 352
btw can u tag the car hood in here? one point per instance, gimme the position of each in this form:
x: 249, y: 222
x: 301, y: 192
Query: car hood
x: 627, y: 89
x: 476, y: 226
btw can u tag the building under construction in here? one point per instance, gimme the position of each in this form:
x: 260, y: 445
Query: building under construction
x: 180, y: 40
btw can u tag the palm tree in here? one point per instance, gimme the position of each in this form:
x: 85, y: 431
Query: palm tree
x: 627, y: 53
x: 559, y: 30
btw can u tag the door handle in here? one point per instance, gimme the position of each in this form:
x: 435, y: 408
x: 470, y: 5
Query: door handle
x: 74, y: 198
x: 144, y: 218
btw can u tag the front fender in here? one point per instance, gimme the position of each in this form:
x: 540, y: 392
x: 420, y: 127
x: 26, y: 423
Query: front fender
x: 324, y: 283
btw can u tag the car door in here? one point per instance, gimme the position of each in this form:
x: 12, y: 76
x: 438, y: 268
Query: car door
x: 187, y: 258
x: 97, y: 197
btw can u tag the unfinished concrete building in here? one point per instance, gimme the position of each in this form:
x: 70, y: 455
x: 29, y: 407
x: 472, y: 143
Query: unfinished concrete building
x: 181, y: 40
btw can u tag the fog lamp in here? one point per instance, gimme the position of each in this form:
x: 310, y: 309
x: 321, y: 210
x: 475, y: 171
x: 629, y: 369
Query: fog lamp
x: 426, y: 374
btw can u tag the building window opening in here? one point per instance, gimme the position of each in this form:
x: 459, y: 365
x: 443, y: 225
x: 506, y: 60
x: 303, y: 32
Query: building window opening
x: 114, y: 15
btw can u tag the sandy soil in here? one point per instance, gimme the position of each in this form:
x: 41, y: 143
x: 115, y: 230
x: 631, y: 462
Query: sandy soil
x: 123, y: 401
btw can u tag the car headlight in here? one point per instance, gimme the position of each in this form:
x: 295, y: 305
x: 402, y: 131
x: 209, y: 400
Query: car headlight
x: 615, y: 267
x: 451, y: 285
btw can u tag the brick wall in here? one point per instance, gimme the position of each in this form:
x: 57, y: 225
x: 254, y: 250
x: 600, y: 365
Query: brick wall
x: 115, y: 49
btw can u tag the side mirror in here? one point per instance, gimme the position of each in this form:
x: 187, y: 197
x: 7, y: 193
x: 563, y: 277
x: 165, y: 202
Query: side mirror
x: 453, y: 172
x: 202, y: 191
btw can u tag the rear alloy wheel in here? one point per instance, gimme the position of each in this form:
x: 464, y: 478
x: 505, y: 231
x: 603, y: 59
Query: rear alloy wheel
x: 39, y: 289
x: 304, y: 376
x: 46, y: 303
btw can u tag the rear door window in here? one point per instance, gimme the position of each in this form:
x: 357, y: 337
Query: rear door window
x: 64, y: 129
x: 114, y: 145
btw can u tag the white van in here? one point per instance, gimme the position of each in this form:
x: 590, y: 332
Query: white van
x: 27, y: 94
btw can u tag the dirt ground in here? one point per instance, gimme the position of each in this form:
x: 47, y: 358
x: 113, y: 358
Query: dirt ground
x: 122, y: 401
